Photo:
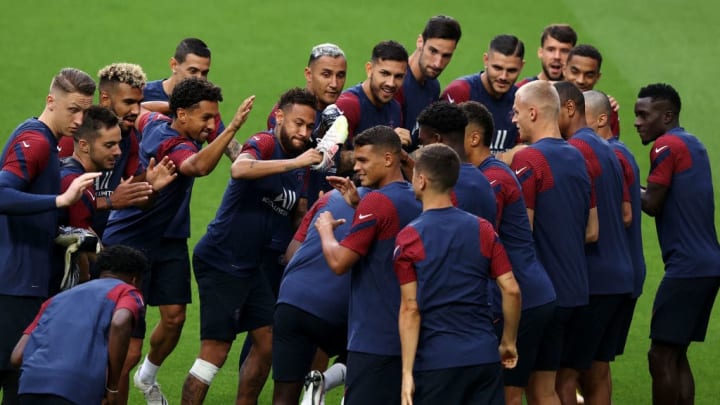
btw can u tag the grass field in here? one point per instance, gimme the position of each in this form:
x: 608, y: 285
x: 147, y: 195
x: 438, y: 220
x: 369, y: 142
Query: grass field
x: 261, y: 47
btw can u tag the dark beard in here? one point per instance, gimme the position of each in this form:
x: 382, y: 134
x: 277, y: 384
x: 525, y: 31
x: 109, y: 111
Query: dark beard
x: 287, y: 145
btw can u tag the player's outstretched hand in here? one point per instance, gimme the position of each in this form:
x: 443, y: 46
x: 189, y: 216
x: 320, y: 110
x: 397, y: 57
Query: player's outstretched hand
x: 404, y: 135
x: 408, y: 389
x: 76, y: 189
x: 160, y: 174
x: 326, y: 221
x: 309, y: 158
x: 508, y: 355
x: 128, y: 193
x: 346, y: 187
x: 613, y: 103
x: 242, y: 113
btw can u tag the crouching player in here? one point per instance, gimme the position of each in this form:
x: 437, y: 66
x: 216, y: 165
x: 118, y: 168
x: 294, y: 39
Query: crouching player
x: 449, y: 348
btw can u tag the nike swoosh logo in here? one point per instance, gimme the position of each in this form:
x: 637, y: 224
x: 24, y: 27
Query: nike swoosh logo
x: 450, y: 99
x: 660, y: 149
x: 493, y: 182
x: 25, y: 144
x: 520, y: 170
x: 361, y: 216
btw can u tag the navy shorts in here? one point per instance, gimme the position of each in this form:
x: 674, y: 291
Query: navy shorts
x: 373, y: 379
x: 533, y: 324
x: 43, y: 399
x: 16, y: 315
x: 230, y: 304
x: 552, y: 342
x: 296, y: 336
x: 167, y: 280
x: 626, y: 317
x: 482, y: 384
x: 681, y: 311
x: 593, y: 335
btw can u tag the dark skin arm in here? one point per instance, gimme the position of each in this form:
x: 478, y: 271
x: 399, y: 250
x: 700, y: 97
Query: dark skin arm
x: 653, y: 198
x: 118, y: 342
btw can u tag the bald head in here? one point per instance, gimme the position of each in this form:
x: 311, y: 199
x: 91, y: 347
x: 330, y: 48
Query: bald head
x: 541, y: 95
x: 535, y: 111
x: 597, y: 112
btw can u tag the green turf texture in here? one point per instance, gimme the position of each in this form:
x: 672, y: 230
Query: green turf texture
x: 261, y: 48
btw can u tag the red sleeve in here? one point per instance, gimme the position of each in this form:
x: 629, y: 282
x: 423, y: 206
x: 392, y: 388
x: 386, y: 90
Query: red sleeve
x: 35, y: 321
x: 80, y: 213
x: 128, y: 297
x: 456, y: 92
x: 66, y: 146
x: 260, y: 146
x: 628, y: 175
x: 301, y: 233
x: 349, y: 104
x: 408, y: 251
x: 375, y: 218
x: 591, y: 163
x: 669, y: 155
x: 527, y: 176
x: 505, y: 188
x: 132, y: 167
x: 492, y: 248
x: 27, y: 155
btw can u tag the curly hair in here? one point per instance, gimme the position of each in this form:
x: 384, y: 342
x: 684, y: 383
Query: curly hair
x: 128, y: 73
x: 191, y: 91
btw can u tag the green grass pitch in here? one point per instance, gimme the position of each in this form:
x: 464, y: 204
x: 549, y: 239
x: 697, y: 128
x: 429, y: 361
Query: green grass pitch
x: 261, y: 48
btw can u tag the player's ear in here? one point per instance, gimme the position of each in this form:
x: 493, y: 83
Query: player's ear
x: 279, y: 116
x: 485, y: 60
x: 104, y: 98
x: 308, y: 75
x: 602, y: 120
x: 83, y: 145
x: 181, y: 115
x: 368, y: 68
x: 419, y: 43
x: 173, y: 64
x: 540, y: 52
x: 50, y: 102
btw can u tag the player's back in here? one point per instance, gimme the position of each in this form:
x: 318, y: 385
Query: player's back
x: 514, y: 230
x: 473, y: 193
x: 557, y: 187
x: 610, y: 269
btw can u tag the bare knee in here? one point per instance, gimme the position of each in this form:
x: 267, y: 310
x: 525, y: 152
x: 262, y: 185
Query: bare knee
x: 262, y: 341
x: 214, y: 351
x: 172, y: 316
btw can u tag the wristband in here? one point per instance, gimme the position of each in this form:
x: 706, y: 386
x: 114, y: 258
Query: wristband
x: 111, y: 391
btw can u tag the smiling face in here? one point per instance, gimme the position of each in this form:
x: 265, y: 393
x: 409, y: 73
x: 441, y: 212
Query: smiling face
x: 198, y: 121
x: 104, y: 150
x: 371, y: 165
x: 652, y: 119
x: 124, y: 100
x: 385, y: 77
x: 501, y: 72
x: 325, y: 78
x: 583, y: 72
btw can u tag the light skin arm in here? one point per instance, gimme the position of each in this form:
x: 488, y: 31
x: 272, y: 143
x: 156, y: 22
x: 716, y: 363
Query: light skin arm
x: 511, y: 305
x: 76, y: 189
x: 653, y: 198
x: 592, y: 230
x: 246, y: 167
x: 339, y: 258
x: 16, y: 357
x: 118, y: 342
x: 627, y: 213
x: 409, y: 325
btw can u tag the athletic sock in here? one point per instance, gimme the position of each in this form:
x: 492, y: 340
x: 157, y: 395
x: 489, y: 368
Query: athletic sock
x: 148, y: 372
x: 334, y: 376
